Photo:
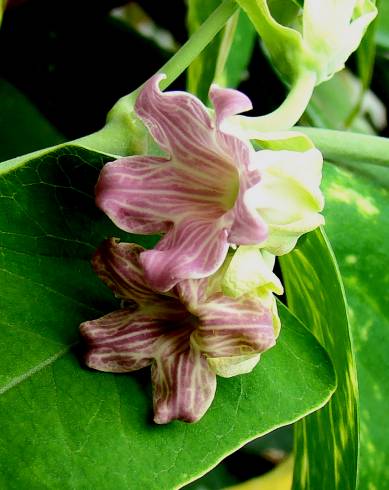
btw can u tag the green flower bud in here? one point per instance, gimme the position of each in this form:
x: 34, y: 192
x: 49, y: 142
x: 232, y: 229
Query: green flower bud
x: 330, y: 31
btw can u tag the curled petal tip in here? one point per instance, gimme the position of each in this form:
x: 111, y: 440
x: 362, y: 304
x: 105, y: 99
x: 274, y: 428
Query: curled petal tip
x: 228, y: 102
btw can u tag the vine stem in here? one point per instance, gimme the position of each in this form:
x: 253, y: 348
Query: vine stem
x: 120, y: 134
x: 287, y: 114
x: 197, y: 42
x: 342, y: 146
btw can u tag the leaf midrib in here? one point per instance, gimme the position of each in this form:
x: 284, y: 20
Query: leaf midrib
x: 36, y: 369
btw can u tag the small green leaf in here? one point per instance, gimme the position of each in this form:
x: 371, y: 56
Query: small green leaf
x: 327, y: 442
x: 357, y: 219
x: 69, y: 427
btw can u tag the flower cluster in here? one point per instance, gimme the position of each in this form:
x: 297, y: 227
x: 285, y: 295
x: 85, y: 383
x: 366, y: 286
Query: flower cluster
x: 191, y: 308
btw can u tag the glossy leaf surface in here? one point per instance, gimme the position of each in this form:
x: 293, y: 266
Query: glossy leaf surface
x: 327, y: 442
x: 358, y: 225
x: 64, y: 425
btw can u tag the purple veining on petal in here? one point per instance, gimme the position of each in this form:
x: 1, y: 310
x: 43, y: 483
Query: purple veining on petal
x: 248, y: 227
x: 117, y: 265
x: 233, y: 327
x: 175, y: 332
x: 121, y: 341
x: 183, y: 387
x: 126, y: 190
x: 198, y: 190
x: 228, y: 102
x: 193, y: 249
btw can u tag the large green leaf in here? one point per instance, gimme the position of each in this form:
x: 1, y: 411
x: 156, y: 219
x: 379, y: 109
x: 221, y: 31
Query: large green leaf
x: 327, y: 442
x: 64, y: 426
x: 357, y: 222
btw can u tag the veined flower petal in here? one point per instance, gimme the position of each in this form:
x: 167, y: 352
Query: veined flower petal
x: 233, y: 327
x: 125, y: 191
x: 288, y: 198
x: 194, y: 249
x: 117, y: 265
x: 188, y: 335
x: 196, y: 196
x: 183, y: 386
x: 148, y: 194
x: 248, y: 227
x: 121, y: 341
x: 228, y: 102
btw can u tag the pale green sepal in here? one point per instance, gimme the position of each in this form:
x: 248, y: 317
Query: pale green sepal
x: 233, y: 366
x: 288, y: 197
x: 123, y: 134
x: 283, y: 140
x: 245, y: 128
x: 283, y: 238
x: 250, y: 271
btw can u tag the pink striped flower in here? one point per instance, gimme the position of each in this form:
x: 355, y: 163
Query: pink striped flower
x: 187, y: 335
x: 195, y: 196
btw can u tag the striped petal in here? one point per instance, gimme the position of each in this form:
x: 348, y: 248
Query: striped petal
x: 117, y: 265
x: 233, y: 327
x: 196, y: 196
x: 194, y: 249
x: 228, y: 102
x: 183, y: 386
x: 125, y: 191
x: 181, y: 125
x: 147, y: 195
x: 248, y: 227
x: 121, y: 341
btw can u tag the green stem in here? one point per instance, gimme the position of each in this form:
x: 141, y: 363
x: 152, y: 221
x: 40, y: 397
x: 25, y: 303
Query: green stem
x: 287, y: 114
x: 121, y: 132
x: 197, y: 42
x: 225, y: 47
x: 342, y: 146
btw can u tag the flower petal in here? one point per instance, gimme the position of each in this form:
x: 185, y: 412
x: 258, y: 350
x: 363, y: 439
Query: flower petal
x: 128, y: 191
x: 248, y: 227
x: 148, y: 194
x: 288, y: 198
x: 194, y: 249
x: 121, y: 341
x: 181, y: 125
x: 183, y: 386
x: 228, y: 102
x: 164, y: 113
x: 233, y: 327
x: 117, y: 265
